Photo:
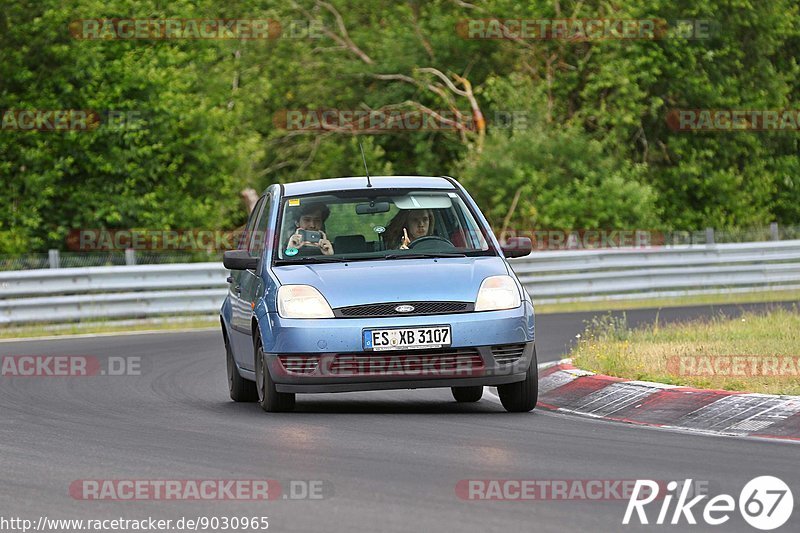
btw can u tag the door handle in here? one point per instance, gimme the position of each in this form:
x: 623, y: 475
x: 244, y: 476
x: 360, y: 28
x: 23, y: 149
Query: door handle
x: 229, y: 279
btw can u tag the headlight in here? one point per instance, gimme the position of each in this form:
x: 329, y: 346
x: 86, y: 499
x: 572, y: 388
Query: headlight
x: 496, y: 293
x: 302, y: 301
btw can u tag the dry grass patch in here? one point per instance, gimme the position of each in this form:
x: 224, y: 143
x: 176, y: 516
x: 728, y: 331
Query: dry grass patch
x: 755, y: 352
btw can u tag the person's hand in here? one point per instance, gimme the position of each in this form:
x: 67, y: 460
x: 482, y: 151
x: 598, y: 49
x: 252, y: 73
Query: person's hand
x: 296, y: 240
x: 406, y: 240
x: 325, y: 245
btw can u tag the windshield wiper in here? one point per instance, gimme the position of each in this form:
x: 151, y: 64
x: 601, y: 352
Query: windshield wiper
x: 423, y: 255
x: 312, y: 259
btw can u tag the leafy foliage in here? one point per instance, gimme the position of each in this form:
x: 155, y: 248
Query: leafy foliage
x: 588, y: 147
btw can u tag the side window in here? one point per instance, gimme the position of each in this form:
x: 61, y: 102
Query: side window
x: 244, y: 240
x: 261, y: 229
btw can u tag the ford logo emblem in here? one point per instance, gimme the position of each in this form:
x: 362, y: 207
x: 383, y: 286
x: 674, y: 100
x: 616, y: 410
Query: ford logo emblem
x: 404, y: 308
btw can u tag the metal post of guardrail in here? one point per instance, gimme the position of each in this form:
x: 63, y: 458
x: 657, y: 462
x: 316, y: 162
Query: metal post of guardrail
x: 130, y: 256
x: 773, y: 232
x: 709, y: 235
x: 679, y: 237
x: 54, y: 257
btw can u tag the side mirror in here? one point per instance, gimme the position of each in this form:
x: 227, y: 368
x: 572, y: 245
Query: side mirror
x: 239, y: 260
x: 517, y: 247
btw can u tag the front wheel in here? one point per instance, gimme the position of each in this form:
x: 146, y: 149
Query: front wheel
x: 241, y: 390
x: 521, y: 397
x: 269, y: 398
x: 467, y: 394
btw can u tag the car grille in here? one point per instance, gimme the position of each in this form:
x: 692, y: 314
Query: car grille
x: 507, y: 353
x: 449, y: 362
x: 388, y: 309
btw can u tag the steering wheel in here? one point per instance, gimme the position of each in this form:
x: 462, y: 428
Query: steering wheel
x: 429, y: 239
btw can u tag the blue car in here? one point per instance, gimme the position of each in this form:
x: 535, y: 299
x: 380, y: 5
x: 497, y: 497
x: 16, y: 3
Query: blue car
x: 389, y: 282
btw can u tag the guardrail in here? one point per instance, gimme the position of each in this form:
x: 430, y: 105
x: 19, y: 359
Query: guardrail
x: 574, y: 276
x: 74, y: 294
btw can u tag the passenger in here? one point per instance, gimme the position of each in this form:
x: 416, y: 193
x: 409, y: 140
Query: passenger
x: 311, y: 217
x: 407, y: 226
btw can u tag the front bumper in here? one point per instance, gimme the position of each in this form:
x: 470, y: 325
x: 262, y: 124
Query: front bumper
x: 388, y: 376
x: 475, y: 336
x: 397, y: 384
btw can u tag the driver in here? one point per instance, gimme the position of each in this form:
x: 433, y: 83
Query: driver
x: 407, y: 226
x: 311, y: 217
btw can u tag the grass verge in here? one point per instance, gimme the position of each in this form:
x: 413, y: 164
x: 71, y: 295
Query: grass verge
x: 681, y: 301
x: 110, y: 326
x: 754, y: 353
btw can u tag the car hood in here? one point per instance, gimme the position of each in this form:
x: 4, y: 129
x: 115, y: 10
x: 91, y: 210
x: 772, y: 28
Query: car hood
x: 400, y: 280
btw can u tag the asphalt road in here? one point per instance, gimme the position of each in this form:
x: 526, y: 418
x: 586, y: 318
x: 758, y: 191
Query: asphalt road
x: 389, y: 461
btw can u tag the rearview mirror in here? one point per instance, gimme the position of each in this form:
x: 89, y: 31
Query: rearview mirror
x: 372, y: 207
x: 517, y: 247
x: 239, y: 260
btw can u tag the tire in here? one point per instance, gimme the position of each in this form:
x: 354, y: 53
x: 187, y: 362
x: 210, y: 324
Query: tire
x: 269, y: 398
x: 467, y: 394
x: 242, y: 390
x: 522, y: 396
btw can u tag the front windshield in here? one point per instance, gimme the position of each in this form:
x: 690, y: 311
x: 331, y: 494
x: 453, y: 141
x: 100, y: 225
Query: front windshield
x: 375, y: 225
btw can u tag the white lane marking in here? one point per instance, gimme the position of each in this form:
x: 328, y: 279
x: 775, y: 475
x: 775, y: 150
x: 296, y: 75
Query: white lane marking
x: 743, y: 412
x: 613, y: 398
x: 777, y: 413
x: 566, y: 414
x: 108, y: 334
x: 542, y: 366
x: 561, y: 412
x: 492, y: 396
x: 554, y: 380
x: 652, y: 384
x: 756, y: 411
x: 709, y: 414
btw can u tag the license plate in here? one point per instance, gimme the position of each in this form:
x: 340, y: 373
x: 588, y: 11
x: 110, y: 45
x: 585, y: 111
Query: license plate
x: 407, y: 338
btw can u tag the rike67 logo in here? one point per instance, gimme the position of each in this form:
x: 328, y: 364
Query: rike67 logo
x: 765, y: 503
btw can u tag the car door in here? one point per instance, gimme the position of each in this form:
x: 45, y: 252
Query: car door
x: 251, y: 284
x: 241, y: 312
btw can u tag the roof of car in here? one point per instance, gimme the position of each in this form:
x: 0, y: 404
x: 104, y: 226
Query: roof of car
x: 354, y: 183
